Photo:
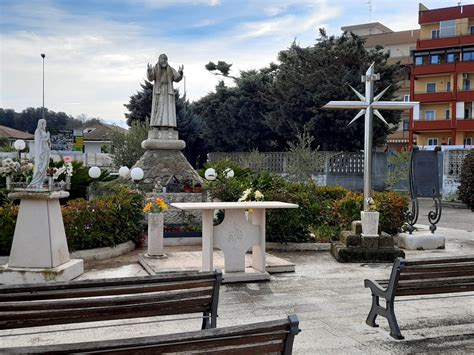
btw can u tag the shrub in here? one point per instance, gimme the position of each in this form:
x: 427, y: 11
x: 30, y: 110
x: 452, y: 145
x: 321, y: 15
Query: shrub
x: 392, y: 207
x: 8, y: 214
x: 466, y: 181
x: 105, y: 221
x: 347, y: 209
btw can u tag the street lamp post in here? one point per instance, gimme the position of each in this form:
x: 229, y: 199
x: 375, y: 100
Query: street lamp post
x: 42, y: 110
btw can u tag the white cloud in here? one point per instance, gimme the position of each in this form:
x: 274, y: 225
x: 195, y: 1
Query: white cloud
x: 170, y: 3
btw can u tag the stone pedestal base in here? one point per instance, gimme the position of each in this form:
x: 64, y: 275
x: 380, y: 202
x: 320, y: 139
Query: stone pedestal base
x: 39, y: 240
x: 22, y: 275
x: 250, y: 274
x: 356, y: 247
x: 159, y: 165
x: 421, y: 241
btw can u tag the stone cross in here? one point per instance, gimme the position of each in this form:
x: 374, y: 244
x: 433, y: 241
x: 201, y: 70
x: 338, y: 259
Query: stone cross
x: 369, y: 106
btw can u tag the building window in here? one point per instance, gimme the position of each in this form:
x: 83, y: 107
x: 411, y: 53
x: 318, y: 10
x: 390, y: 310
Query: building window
x: 471, y: 30
x: 450, y: 141
x: 468, y: 141
x: 432, y: 141
x: 435, y: 59
x: 467, y: 56
x: 450, y: 58
x: 406, y: 97
x: 430, y: 115
x: 434, y: 34
x: 448, y: 86
x: 446, y: 114
x: 406, y: 125
x: 418, y: 60
x: 467, y: 110
x: 466, y: 84
x: 431, y: 87
x: 447, y: 28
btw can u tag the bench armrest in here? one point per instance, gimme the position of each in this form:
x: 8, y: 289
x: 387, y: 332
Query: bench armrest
x: 375, y: 288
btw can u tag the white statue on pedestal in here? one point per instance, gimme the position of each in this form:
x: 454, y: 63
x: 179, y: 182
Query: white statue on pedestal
x: 42, y: 150
x: 163, y: 110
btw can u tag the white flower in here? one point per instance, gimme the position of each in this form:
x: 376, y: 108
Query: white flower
x: 258, y: 195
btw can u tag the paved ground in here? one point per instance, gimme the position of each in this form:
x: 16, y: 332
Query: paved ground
x: 328, y: 297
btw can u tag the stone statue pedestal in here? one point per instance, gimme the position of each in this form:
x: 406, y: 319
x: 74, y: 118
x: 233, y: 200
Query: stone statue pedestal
x: 163, y: 158
x: 39, y: 251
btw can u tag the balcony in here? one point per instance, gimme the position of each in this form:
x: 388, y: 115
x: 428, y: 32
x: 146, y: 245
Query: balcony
x: 424, y: 96
x: 435, y: 125
x: 465, y: 95
x: 427, y: 69
x: 465, y: 124
x: 442, y: 42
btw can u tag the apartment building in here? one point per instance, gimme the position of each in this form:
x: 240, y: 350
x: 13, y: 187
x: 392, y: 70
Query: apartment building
x: 442, y: 77
x: 399, y: 45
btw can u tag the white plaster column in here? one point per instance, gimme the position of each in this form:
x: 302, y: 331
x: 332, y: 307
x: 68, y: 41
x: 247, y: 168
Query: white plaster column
x: 207, y: 240
x: 155, y: 234
x: 258, y: 251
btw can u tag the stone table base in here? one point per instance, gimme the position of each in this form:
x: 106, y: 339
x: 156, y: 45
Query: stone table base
x: 21, y: 275
x: 421, y: 241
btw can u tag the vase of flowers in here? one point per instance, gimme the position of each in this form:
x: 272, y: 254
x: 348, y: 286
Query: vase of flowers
x: 155, y: 208
x: 250, y: 195
x: 370, y: 220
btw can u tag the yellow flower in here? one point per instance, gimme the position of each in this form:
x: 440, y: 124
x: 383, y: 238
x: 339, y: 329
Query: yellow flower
x: 148, y: 207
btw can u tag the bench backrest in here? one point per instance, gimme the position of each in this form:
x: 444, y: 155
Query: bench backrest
x: 106, y: 299
x: 259, y: 338
x: 434, y: 276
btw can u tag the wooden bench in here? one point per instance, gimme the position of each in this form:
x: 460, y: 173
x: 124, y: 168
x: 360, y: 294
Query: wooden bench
x: 35, y: 305
x: 418, y: 277
x: 259, y: 338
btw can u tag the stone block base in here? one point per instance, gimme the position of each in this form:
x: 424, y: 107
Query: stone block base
x: 345, y: 254
x: 421, y: 241
x: 250, y: 274
x: 64, y: 272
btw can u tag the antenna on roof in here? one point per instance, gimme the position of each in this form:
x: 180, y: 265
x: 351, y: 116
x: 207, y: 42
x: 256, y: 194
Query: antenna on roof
x: 369, y: 2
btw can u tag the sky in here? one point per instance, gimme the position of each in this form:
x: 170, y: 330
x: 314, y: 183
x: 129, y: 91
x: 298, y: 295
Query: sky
x: 97, y: 50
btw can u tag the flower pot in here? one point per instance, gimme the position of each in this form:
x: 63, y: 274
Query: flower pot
x: 50, y: 183
x: 155, y: 234
x: 188, y: 188
x: 370, y: 223
x: 197, y: 189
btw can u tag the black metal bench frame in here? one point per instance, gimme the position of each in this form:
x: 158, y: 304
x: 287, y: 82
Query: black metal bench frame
x: 418, y: 277
x: 180, y: 293
x: 258, y: 338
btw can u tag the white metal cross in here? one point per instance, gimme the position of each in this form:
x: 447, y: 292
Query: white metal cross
x: 369, y: 105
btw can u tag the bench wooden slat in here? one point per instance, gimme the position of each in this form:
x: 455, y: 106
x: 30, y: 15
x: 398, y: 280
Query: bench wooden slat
x: 431, y: 275
x: 105, y: 291
x: 466, y: 267
x: 9, y: 320
x: 435, y: 290
x: 264, y: 337
x: 445, y: 281
x: 120, y: 281
x: 102, y: 301
x: 430, y: 261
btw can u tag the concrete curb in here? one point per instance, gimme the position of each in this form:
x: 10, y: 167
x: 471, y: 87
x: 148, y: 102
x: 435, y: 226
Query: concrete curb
x: 298, y: 246
x: 103, y: 253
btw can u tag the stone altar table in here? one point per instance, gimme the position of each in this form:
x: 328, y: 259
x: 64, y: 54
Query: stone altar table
x: 234, y: 236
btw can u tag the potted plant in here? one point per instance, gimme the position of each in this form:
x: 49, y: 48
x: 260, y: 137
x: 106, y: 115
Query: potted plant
x: 370, y: 220
x: 198, y: 188
x: 188, y: 185
x: 155, y: 208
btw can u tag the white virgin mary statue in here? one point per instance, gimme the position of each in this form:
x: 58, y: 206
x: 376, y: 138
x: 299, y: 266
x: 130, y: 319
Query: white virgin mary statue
x: 163, y: 109
x: 42, y: 150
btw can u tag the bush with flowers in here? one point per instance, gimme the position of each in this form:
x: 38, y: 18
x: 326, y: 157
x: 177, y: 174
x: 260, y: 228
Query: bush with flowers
x: 251, y: 194
x: 324, y: 210
x: 103, y: 222
x: 156, y: 205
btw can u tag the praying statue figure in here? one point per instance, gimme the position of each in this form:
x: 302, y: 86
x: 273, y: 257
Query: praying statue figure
x: 163, y: 109
x: 42, y: 149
